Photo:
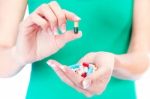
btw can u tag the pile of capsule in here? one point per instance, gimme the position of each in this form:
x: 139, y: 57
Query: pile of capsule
x: 83, y: 69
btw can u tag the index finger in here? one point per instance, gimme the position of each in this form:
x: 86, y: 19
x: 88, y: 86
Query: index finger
x: 71, y: 16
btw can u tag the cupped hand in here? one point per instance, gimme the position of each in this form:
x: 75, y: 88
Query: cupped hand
x: 93, y: 84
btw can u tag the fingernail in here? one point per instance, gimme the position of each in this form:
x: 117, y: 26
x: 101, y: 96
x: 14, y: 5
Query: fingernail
x: 63, y: 68
x: 63, y: 28
x: 80, y: 34
x: 50, y: 64
x: 86, y: 84
x: 77, y: 18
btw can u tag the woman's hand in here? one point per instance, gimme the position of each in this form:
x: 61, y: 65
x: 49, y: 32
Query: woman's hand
x: 93, y: 84
x: 38, y: 36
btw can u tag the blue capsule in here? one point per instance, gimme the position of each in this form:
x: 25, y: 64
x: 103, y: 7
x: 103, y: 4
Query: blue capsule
x: 90, y: 70
x: 75, y: 66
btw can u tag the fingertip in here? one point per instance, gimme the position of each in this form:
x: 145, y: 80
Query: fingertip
x: 71, y: 16
x: 49, y: 62
x: 98, y: 93
x: 77, y: 18
x: 78, y: 35
x: 86, y: 83
x: 88, y: 95
x: 69, y: 36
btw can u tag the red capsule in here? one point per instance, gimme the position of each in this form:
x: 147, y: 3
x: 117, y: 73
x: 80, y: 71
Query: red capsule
x: 84, y: 74
x: 85, y: 64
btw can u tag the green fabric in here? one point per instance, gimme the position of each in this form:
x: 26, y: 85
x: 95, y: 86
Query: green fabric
x: 106, y: 26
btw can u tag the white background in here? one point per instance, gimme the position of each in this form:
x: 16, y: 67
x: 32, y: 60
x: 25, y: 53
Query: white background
x: 16, y: 87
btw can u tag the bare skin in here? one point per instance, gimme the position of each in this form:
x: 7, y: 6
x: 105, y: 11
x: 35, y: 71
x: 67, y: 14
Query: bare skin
x: 37, y: 37
x: 12, y: 36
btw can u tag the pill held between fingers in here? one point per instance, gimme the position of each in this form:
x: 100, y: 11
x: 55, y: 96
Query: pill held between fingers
x: 76, y: 27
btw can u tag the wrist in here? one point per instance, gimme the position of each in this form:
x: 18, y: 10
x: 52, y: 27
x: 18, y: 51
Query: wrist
x: 17, y: 59
x: 117, y: 63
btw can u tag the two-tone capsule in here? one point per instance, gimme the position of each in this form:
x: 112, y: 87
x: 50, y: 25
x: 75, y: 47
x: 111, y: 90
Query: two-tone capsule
x: 76, y: 27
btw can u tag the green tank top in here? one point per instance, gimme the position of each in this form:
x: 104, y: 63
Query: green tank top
x: 106, y: 26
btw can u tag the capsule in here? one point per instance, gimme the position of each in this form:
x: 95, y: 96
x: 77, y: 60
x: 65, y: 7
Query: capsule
x: 84, y: 74
x: 76, y: 27
x: 90, y: 70
x: 85, y: 64
x: 74, y: 66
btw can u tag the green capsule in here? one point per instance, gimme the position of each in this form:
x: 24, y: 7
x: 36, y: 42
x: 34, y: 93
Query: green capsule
x: 76, y: 29
x: 76, y: 25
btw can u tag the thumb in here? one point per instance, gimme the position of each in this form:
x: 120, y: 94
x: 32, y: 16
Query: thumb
x: 89, y: 58
x: 86, y: 83
x: 67, y: 36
